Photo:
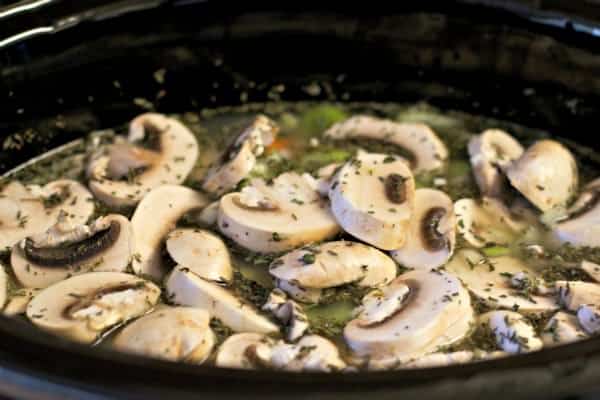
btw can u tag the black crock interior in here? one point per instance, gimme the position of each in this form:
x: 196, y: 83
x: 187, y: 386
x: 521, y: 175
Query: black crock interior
x: 455, y: 55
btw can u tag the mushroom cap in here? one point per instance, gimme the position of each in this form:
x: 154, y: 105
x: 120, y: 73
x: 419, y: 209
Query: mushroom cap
x: 240, y: 157
x: 437, y: 311
x: 581, y: 227
x: 110, y: 239
x: 171, y: 333
x: 245, y: 351
x: 487, y: 222
x: 17, y: 304
x: 186, y: 288
x: 562, y: 328
x: 372, y: 198
x: 490, y: 152
x: 490, y: 281
x: 81, y: 308
x: 334, y: 264
x: 271, y: 218
x: 202, y: 252
x: 592, y: 269
x: 299, y: 293
x: 28, y: 210
x: 311, y: 353
x: 513, y: 333
x: 546, y: 174
x: 430, y: 242
x: 427, y: 150
x: 170, y: 162
x: 166, y: 204
x: 574, y: 294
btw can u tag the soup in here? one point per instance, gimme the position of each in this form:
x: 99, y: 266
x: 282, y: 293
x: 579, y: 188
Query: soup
x: 307, y: 237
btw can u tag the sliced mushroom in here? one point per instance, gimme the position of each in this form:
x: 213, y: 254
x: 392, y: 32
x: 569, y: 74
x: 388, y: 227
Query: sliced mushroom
x: 171, y: 333
x: 592, y: 269
x: 289, y: 312
x: 166, y: 204
x: 513, y: 333
x: 17, y: 303
x: 439, y: 360
x: 209, y: 215
x: 334, y: 264
x: 240, y: 157
x: 3, y: 286
x: 491, y: 281
x: 546, y: 174
x: 245, y: 351
x: 299, y: 293
x: 490, y: 152
x: 562, y: 328
x: 277, y: 216
x: 81, y: 308
x: 427, y: 151
x: 202, y: 252
x: 574, y: 294
x: 158, y: 151
x: 487, y: 222
x: 186, y: 288
x: 430, y: 242
x: 416, y: 313
x: 27, y: 210
x: 311, y: 353
x: 589, y: 318
x: 65, y: 250
x: 581, y: 225
x: 372, y: 198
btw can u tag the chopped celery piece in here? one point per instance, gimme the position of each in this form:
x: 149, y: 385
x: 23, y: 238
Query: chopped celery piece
x: 317, y: 119
x: 496, y: 251
x: 319, y: 158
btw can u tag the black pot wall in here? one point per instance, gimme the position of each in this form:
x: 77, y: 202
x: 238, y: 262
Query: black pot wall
x: 458, y: 56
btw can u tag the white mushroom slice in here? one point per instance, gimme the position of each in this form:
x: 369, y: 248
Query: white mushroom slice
x: 83, y: 307
x: 65, y: 250
x: 186, y: 288
x: 311, y: 353
x: 240, y: 157
x: 276, y: 217
x: 209, y: 214
x: 128, y: 171
x: 202, y: 252
x: 439, y: 360
x: 435, y: 312
x: 27, y: 210
x: 372, y: 198
x: 288, y: 312
x: 581, y: 225
x: 574, y: 294
x: 165, y: 204
x: 562, y: 328
x: 592, y: 269
x: 298, y: 293
x: 334, y: 264
x: 487, y: 222
x: 3, y: 286
x: 490, y: 152
x: 513, y: 333
x: 17, y: 304
x: 490, y: 280
x: 589, y: 318
x: 546, y: 174
x: 245, y: 351
x: 432, y: 236
x: 171, y: 333
x: 428, y: 152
